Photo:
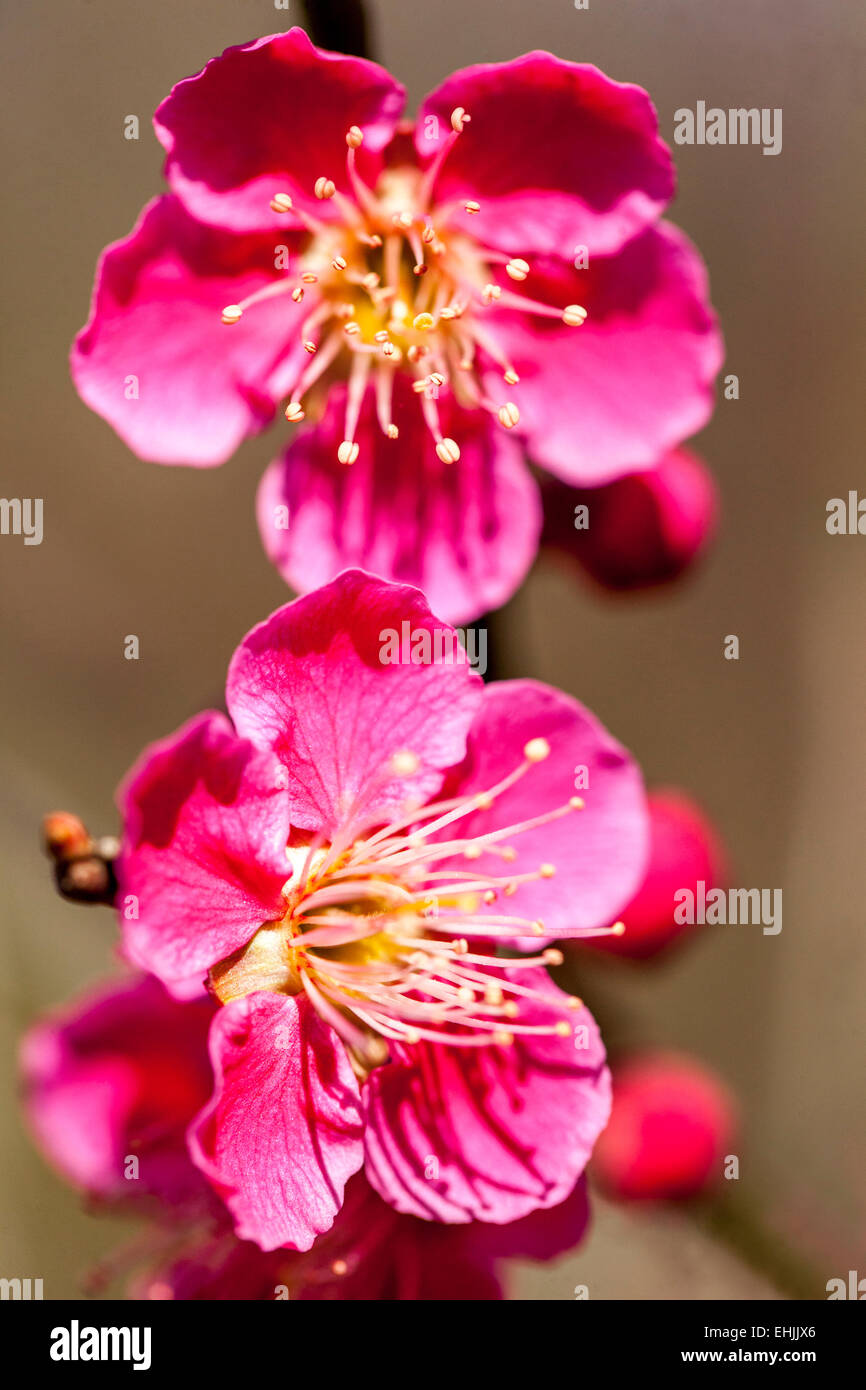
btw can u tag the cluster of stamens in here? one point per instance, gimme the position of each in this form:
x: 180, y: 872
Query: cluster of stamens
x: 393, y: 286
x: 378, y: 928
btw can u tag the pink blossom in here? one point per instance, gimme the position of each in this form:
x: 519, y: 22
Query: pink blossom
x: 685, y: 849
x: 339, y: 858
x: 496, y: 271
x: 643, y: 529
x: 672, y: 1123
x: 120, y: 1075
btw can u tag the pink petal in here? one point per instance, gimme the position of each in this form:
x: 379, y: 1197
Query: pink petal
x: 465, y: 533
x: 206, y: 827
x: 556, y: 153
x: 635, y: 380
x: 283, y: 1132
x: 542, y: 1235
x: 271, y: 117
x: 121, y: 1072
x: 311, y: 682
x: 599, y: 853
x: 155, y: 359
x: 500, y: 1131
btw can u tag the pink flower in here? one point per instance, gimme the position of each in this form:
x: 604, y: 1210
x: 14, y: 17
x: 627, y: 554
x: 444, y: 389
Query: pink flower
x: 499, y: 271
x: 685, y: 849
x: 340, y: 858
x: 672, y: 1124
x: 643, y: 529
x: 121, y: 1074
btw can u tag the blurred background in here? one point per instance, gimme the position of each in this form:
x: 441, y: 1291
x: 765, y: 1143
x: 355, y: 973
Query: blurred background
x: 773, y: 745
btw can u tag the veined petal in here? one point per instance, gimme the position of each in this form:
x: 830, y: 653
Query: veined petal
x: 203, y: 858
x: 155, y: 359
x: 269, y: 117
x: 556, y: 153
x: 283, y: 1132
x: 316, y: 684
x: 488, y: 1133
x: 465, y: 533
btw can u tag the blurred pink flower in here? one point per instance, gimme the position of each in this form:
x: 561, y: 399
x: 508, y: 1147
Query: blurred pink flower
x: 685, y: 848
x: 643, y: 529
x: 400, y: 270
x: 326, y: 859
x: 120, y: 1075
x: 672, y: 1124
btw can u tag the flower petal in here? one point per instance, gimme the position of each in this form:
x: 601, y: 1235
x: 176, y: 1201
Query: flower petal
x: 556, y: 153
x: 315, y: 683
x: 155, y: 359
x: 489, y: 1133
x: 599, y: 853
x: 466, y: 533
x: 203, y: 858
x: 283, y: 1132
x: 271, y: 117
x: 636, y: 379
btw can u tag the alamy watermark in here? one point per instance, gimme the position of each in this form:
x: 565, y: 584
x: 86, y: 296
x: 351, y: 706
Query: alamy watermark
x: 737, y: 907
x: 22, y: 516
x: 739, y: 125
x: 440, y: 646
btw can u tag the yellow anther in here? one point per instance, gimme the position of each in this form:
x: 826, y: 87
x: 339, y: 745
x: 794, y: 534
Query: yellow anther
x: 503, y: 1039
x: 324, y: 188
x: 294, y: 412
x: 472, y: 206
x: 517, y: 269
x: 576, y: 803
x: 472, y: 852
x: 393, y: 432
x: 428, y: 235
x: 459, y: 118
x: 297, y: 294
x: 547, y: 870
x: 309, y: 277
x: 348, y: 451
x: 339, y: 262
x: 310, y: 346
x: 509, y: 415
x: 574, y: 1003
x: 553, y: 957
x: 491, y: 292
x: 574, y: 315
x: 339, y: 1267
x: 354, y: 137
x: 281, y: 202
x: 511, y: 378
x: 447, y: 451
x: 536, y: 750
x: 511, y: 1009
x: 618, y: 929
x: 423, y: 322
x: 232, y: 313
x: 351, y: 329
x: 563, y: 1029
